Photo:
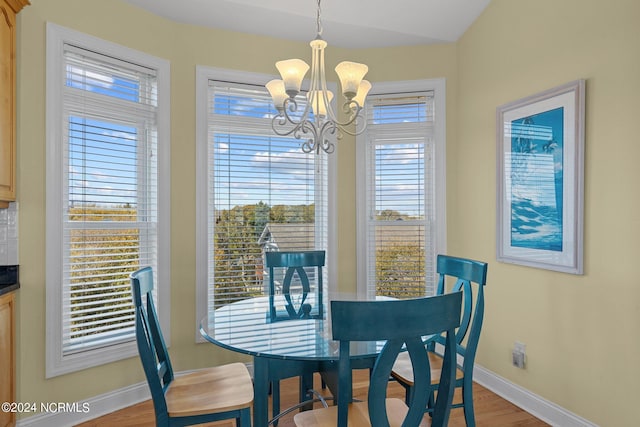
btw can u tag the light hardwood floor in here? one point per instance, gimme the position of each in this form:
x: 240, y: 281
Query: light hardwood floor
x: 491, y: 410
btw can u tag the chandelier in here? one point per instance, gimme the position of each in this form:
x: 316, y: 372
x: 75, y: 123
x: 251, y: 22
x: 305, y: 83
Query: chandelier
x: 315, y: 130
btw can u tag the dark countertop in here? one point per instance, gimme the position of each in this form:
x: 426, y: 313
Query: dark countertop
x: 5, y: 289
x: 9, y: 278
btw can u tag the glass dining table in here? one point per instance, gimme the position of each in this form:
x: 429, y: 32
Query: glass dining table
x: 282, y: 349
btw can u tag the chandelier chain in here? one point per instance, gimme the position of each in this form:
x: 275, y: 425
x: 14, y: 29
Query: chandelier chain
x: 318, y: 22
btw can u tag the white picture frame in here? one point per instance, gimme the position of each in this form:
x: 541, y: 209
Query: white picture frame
x: 540, y: 179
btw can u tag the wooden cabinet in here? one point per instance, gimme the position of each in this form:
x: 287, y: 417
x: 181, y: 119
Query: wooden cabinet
x: 7, y: 357
x: 8, y: 11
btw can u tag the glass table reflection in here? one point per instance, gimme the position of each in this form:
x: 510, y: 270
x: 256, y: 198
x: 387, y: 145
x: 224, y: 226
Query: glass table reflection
x: 283, y: 349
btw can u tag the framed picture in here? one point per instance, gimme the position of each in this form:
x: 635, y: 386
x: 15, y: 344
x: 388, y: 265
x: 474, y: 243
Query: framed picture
x: 540, y: 179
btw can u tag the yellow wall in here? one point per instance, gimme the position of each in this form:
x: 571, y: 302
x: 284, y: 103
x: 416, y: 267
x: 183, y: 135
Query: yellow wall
x: 515, y: 49
x: 581, y: 332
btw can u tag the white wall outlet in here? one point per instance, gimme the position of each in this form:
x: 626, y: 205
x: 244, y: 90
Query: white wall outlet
x: 518, y: 355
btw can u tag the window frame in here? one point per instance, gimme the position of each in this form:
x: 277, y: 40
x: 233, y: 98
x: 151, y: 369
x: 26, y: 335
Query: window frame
x: 400, y: 88
x: 203, y: 75
x: 57, y: 363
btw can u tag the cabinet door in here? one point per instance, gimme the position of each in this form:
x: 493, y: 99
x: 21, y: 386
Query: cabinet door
x: 7, y: 103
x: 7, y: 356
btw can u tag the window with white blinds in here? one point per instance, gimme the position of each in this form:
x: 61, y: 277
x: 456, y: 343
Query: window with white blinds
x: 108, y: 214
x: 262, y: 192
x: 397, y: 234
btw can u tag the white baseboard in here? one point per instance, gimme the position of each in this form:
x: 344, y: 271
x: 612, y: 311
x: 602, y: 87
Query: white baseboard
x: 106, y: 403
x: 90, y: 408
x: 537, y: 406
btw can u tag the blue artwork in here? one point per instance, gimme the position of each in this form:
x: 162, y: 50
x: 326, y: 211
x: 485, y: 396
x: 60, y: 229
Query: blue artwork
x: 536, y: 176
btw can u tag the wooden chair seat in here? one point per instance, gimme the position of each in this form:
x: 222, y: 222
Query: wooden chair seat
x: 218, y: 389
x: 403, y: 371
x: 358, y: 415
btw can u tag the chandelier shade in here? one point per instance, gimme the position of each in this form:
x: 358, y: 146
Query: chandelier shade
x: 350, y: 75
x: 318, y: 122
x: 278, y: 94
x: 363, y: 90
x: 292, y: 72
x: 316, y: 99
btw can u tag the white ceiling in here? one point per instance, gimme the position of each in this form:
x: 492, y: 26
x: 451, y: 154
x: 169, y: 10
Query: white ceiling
x: 346, y: 23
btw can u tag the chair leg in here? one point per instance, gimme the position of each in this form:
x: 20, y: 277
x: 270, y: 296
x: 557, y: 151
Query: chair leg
x: 245, y: 418
x: 408, y: 394
x: 275, y: 396
x: 467, y: 401
x: 431, y: 403
x: 407, y: 390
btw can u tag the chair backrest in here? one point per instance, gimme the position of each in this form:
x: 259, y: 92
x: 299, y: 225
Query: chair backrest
x: 295, y: 263
x: 151, y: 346
x: 470, y: 277
x: 400, y: 323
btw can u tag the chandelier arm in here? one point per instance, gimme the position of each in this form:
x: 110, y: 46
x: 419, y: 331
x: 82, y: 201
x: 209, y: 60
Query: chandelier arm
x: 331, y: 115
x: 322, y: 83
x: 319, y: 141
x: 310, y: 144
x: 323, y: 142
x: 306, y: 126
x: 278, y: 122
x: 348, y: 107
x: 357, y: 131
x: 328, y: 128
x: 290, y: 105
x: 356, y: 118
x: 352, y: 115
x: 283, y: 117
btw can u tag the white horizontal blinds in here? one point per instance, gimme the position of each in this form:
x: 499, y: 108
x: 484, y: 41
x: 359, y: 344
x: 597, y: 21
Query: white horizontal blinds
x: 110, y: 198
x: 264, y: 192
x: 400, y: 197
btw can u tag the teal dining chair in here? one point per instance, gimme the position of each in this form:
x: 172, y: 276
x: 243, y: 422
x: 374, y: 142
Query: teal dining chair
x: 454, y: 275
x: 206, y: 395
x: 402, y: 324
x: 307, y: 301
x: 294, y: 268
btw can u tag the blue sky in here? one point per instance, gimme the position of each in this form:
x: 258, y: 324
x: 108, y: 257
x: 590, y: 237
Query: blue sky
x: 103, y: 155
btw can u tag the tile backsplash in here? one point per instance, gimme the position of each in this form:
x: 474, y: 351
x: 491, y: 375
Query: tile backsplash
x: 9, y: 235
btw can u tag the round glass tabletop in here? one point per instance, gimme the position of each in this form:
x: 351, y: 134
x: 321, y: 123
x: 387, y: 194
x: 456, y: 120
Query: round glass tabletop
x: 244, y: 326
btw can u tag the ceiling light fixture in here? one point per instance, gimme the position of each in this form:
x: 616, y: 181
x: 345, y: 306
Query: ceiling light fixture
x: 315, y: 129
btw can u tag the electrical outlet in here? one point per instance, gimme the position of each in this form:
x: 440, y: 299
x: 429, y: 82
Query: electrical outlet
x: 518, y: 355
x: 518, y: 359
